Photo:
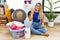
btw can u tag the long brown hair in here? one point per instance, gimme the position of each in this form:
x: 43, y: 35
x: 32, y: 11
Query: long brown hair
x: 40, y: 11
x: 40, y: 6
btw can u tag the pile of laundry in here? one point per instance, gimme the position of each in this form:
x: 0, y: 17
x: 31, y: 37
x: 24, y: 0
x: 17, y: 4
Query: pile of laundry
x: 15, y: 25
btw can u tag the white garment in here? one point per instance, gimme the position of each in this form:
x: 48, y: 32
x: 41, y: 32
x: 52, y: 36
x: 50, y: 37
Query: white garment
x: 27, y: 23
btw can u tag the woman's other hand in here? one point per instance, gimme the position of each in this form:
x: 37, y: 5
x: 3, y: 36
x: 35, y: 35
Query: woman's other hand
x: 32, y: 10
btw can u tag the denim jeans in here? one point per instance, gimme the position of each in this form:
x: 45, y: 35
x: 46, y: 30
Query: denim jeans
x: 36, y: 28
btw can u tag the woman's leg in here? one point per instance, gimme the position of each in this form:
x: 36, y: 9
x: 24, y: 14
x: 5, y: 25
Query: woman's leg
x: 35, y: 31
x: 41, y: 29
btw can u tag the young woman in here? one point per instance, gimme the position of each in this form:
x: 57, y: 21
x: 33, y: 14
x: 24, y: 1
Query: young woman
x: 37, y: 16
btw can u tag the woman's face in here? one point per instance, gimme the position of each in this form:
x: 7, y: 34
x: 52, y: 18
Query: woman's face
x: 1, y: 10
x: 37, y: 7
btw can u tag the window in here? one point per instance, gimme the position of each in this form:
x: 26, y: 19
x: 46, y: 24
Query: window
x: 55, y: 6
x: 2, y: 2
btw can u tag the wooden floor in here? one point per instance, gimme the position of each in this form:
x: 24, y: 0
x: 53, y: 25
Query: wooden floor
x: 54, y: 34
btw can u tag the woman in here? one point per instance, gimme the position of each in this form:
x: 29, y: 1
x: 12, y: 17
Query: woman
x: 38, y: 20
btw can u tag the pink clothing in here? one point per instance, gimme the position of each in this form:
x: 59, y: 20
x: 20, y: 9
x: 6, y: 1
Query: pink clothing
x: 15, y: 27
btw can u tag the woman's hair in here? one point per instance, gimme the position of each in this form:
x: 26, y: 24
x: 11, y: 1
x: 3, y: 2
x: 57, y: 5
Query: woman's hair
x: 40, y: 6
x: 2, y: 6
x: 41, y: 9
x: 29, y: 13
x: 38, y: 3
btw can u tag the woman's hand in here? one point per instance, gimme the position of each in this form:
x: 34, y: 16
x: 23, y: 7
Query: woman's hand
x: 32, y: 10
x: 42, y: 21
x: 42, y: 24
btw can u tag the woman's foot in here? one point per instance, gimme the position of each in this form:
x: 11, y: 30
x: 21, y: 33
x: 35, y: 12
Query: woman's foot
x: 45, y: 34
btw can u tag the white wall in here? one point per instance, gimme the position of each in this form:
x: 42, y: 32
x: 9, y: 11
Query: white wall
x: 16, y: 4
x: 19, y: 4
x: 28, y: 7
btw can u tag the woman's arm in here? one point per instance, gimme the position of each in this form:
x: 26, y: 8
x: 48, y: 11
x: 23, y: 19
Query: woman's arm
x: 42, y: 21
x: 41, y: 15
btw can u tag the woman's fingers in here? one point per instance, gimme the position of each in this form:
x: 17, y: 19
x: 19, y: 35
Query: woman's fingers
x: 32, y: 10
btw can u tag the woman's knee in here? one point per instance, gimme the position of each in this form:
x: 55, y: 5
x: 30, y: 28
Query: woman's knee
x: 44, y: 30
x: 35, y: 31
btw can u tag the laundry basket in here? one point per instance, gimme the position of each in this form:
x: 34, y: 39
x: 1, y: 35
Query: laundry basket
x: 16, y: 33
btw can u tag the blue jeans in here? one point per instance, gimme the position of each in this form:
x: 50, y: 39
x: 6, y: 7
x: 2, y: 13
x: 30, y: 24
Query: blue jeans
x: 36, y: 28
